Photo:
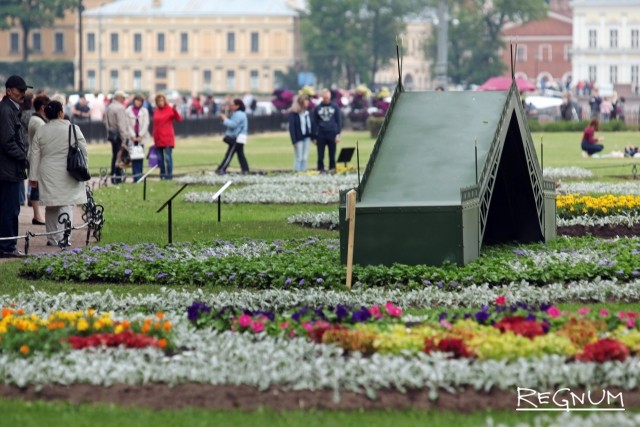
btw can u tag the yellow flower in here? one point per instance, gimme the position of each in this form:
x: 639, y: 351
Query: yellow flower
x: 82, y: 325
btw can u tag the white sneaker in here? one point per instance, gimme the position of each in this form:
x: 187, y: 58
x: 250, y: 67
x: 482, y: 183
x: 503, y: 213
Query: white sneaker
x: 585, y: 154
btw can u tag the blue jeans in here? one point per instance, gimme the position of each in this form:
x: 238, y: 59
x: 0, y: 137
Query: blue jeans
x: 22, y: 194
x: 9, y: 213
x: 591, y: 148
x: 301, y: 153
x: 164, y: 155
x: 136, y: 169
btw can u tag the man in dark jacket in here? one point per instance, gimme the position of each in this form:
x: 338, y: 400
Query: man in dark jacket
x: 13, y: 163
x: 327, y: 124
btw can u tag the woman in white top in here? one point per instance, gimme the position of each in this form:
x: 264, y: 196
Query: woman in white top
x: 300, y: 130
x: 36, y: 121
x: 138, y: 117
x: 59, y: 191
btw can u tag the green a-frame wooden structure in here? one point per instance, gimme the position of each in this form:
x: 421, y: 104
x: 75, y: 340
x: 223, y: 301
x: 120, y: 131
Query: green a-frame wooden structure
x: 449, y: 173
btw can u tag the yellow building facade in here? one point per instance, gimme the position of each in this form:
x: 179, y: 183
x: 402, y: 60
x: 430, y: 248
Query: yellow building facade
x: 196, y: 46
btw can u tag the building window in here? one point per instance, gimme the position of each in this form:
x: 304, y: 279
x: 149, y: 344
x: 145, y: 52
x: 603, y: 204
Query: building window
x: 521, y: 54
x: 91, y: 79
x: 634, y: 74
x: 160, y: 42
x: 114, y: 42
x: 91, y: 42
x: 36, y: 44
x: 161, y: 87
x: 113, y: 80
x: 231, y: 42
x: 14, y: 44
x: 613, y: 38
x: 137, y: 42
x: 184, y: 42
x: 255, y: 42
x: 137, y: 79
x: 254, y: 80
x: 567, y: 52
x: 613, y: 74
x: 58, y: 43
x: 634, y: 39
x: 545, y: 53
x: 593, y: 38
x: 231, y: 80
x: 593, y: 73
x: 161, y: 73
x: 206, y: 79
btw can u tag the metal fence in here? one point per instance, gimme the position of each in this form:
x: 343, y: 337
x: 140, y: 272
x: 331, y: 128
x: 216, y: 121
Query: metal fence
x: 97, y: 131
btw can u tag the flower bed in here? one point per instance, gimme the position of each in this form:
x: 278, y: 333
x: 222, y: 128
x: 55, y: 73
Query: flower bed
x: 598, y: 188
x: 493, y: 332
x: 62, y: 330
x: 572, y: 205
x: 314, y: 262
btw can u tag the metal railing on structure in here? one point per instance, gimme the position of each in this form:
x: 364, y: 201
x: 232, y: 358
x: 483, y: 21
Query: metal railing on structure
x: 93, y: 221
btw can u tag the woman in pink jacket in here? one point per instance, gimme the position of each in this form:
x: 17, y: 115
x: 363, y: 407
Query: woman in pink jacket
x: 163, y: 134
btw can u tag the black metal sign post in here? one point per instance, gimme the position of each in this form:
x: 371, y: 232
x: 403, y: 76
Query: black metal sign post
x: 143, y: 178
x: 218, y: 196
x: 170, y: 217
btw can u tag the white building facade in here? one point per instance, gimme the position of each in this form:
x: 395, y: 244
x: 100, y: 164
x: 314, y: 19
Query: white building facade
x: 606, y: 43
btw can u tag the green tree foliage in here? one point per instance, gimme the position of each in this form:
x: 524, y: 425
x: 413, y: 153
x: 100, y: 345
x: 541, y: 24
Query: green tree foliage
x: 32, y: 14
x: 475, y: 35
x: 353, y: 38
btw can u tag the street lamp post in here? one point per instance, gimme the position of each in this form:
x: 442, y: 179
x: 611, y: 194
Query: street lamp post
x: 80, y: 70
x: 443, y: 43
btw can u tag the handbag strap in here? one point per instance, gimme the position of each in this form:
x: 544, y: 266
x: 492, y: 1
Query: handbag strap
x: 75, y: 135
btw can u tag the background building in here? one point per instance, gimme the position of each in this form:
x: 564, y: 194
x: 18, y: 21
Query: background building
x: 207, y: 45
x: 606, y: 44
x: 544, y: 48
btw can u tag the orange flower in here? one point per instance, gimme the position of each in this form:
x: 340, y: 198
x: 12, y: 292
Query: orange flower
x: 125, y: 324
x: 162, y: 343
x: 167, y: 326
x: 156, y: 325
x: 160, y: 315
x: 146, y: 328
x: 7, y: 312
x: 24, y: 349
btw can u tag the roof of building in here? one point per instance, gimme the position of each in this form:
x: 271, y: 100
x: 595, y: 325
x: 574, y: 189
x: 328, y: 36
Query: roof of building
x: 608, y: 3
x: 196, y: 8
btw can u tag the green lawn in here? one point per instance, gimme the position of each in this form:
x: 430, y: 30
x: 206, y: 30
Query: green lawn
x: 273, y: 151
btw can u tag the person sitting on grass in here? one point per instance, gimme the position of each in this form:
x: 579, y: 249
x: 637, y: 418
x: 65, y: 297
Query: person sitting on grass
x: 589, y: 141
x: 631, y: 151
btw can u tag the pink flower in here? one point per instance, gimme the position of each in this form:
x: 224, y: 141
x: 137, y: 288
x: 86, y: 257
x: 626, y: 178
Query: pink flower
x: 604, y: 312
x: 631, y: 323
x: 257, y: 326
x: 393, y: 310
x: 284, y: 325
x: 501, y: 300
x: 308, y: 327
x: 553, y: 312
x: 583, y: 311
x: 244, y: 320
x: 446, y: 324
x: 375, y: 311
x: 321, y: 324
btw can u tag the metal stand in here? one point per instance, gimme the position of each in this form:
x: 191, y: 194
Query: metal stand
x: 170, y: 212
x: 218, y: 196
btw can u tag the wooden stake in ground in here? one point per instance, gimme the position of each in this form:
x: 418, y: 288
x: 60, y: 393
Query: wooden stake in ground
x: 351, y: 219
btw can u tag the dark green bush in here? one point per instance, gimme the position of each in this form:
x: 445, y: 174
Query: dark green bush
x: 57, y: 75
x: 573, y: 126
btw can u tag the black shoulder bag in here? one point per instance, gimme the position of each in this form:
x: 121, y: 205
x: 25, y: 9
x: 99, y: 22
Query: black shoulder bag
x: 76, y: 162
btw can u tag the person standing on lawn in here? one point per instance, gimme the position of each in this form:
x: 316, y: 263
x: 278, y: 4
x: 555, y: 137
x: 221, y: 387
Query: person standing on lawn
x: 37, y: 120
x: 164, y: 136
x: 13, y: 163
x: 235, y: 136
x: 327, y: 124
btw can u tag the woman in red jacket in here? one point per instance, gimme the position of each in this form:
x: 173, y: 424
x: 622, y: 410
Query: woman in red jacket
x: 163, y: 135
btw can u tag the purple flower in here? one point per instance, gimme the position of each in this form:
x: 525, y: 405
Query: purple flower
x: 531, y: 317
x: 49, y: 270
x: 128, y: 272
x: 519, y: 252
x: 288, y: 281
x: 161, y: 275
x: 319, y: 280
x: 361, y: 315
x: 482, y: 316
x: 603, y: 262
x: 426, y: 282
x: 301, y: 282
x: 341, y: 312
x: 620, y: 272
x: 442, y: 316
x: 232, y: 277
x: 635, y: 273
x: 439, y: 284
x: 196, y: 309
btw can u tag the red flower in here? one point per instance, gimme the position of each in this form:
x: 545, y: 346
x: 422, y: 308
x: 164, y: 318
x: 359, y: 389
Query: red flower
x: 501, y: 300
x: 127, y: 339
x: 448, y: 345
x: 604, y: 350
x: 520, y: 326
